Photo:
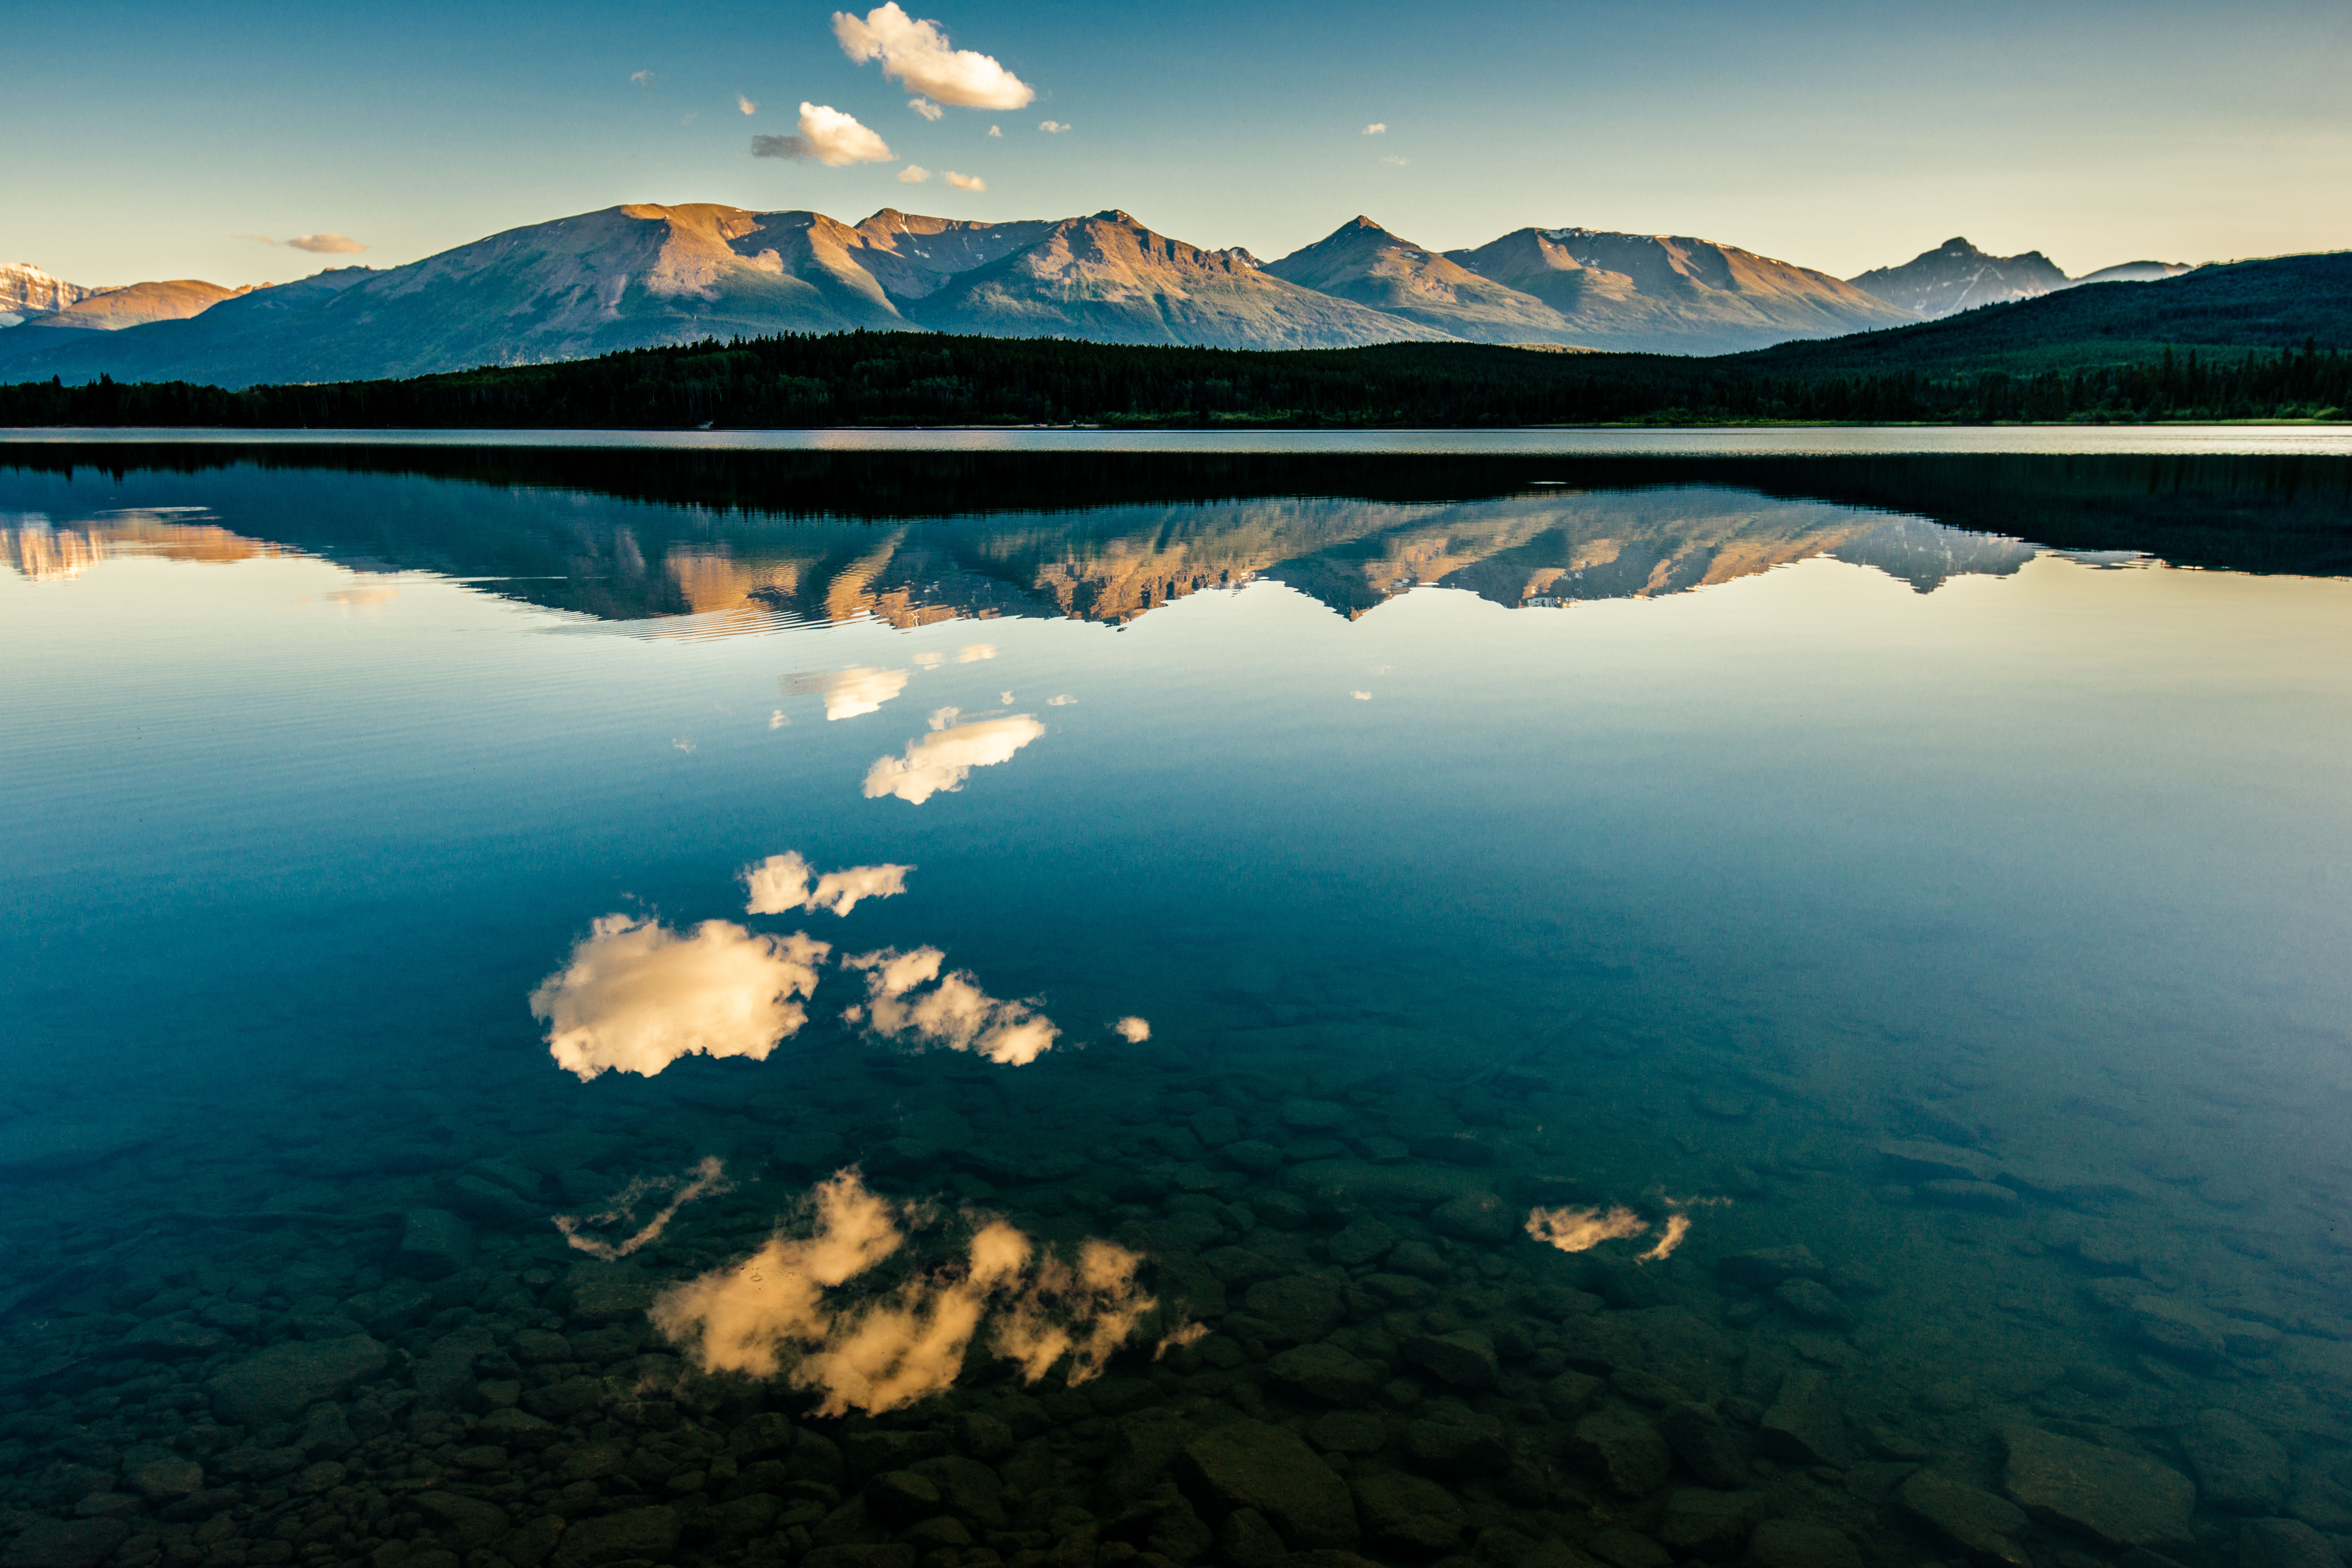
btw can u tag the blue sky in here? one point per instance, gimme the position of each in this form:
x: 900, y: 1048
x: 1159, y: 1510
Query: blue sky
x: 141, y: 139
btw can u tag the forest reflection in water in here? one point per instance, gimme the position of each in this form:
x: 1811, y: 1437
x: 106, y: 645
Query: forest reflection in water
x: 747, y: 541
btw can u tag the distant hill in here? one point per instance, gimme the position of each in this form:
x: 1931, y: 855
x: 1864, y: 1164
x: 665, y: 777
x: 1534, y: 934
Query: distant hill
x: 1638, y: 293
x: 2133, y: 272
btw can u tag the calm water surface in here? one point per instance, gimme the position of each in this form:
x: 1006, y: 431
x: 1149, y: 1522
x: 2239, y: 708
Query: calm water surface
x: 861, y: 1009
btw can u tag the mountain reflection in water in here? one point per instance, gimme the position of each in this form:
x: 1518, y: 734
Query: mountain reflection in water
x: 745, y: 541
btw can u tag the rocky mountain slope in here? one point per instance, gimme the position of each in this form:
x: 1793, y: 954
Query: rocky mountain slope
x: 1364, y: 262
x: 1956, y: 275
x: 1110, y: 279
x: 26, y: 291
x: 1638, y: 293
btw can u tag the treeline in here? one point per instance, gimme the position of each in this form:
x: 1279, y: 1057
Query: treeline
x: 904, y: 378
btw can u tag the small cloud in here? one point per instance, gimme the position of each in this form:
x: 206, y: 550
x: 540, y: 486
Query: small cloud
x: 1392, y: 158
x: 777, y: 721
x: 943, y: 759
x: 954, y: 1014
x: 636, y: 995
x: 860, y: 688
x: 317, y: 244
x: 997, y: 131
x: 974, y: 653
x: 690, y: 118
x: 684, y: 744
x: 1132, y: 1030
x: 1581, y: 1230
x: 965, y: 181
x: 1005, y: 698
x: 641, y: 77
x: 913, y: 174
x: 827, y: 135
x: 1361, y: 696
x: 746, y: 105
x: 1063, y: 701
x: 930, y: 660
x: 706, y: 1180
x: 779, y: 885
x: 916, y: 53
x: 926, y: 108
x: 1377, y: 128
x: 1052, y: 127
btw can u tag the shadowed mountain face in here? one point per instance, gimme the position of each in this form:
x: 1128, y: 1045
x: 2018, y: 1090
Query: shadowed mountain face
x: 1110, y: 278
x: 1666, y: 294
x: 1364, y: 262
x: 716, y: 543
x: 1957, y: 276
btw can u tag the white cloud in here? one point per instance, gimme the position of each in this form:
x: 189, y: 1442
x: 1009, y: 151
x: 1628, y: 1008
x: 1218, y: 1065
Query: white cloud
x: 954, y: 1014
x: 1377, y: 128
x: 1052, y: 127
x: 327, y: 244
x: 974, y: 652
x: 641, y: 77
x: 860, y: 688
x: 777, y: 721
x: 945, y: 758
x: 916, y: 54
x: 779, y: 885
x: 930, y: 660
x: 1392, y: 158
x: 706, y: 1180
x: 880, y: 1348
x: 926, y: 108
x: 1133, y: 1030
x: 636, y: 995
x: 1063, y: 701
x: 1361, y: 696
x: 1006, y: 697
x: 746, y: 105
x: 1581, y: 1230
x: 827, y: 135
x: 913, y: 174
x: 965, y: 181
x: 997, y: 131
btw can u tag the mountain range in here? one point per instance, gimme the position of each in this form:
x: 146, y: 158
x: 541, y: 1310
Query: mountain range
x: 641, y: 276
x: 1956, y: 275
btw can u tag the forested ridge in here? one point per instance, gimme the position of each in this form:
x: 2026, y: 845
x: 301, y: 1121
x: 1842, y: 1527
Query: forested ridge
x: 905, y: 378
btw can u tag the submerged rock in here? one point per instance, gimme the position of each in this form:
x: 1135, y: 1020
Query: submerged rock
x: 1622, y: 1450
x: 1767, y: 1266
x: 66, y: 1543
x: 637, y: 1534
x: 283, y: 1381
x: 1248, y: 1464
x: 1803, y: 1425
x: 1985, y: 1525
x: 1792, y: 1543
x: 1918, y: 1159
x: 1405, y: 1513
x: 1983, y: 1197
x: 1811, y: 1300
x: 434, y: 1244
x: 2239, y: 1468
x: 2120, y: 1498
x: 1464, y: 1359
x: 1480, y: 1217
x: 1709, y: 1447
x: 1326, y: 1372
x: 2284, y: 1544
x: 1700, y: 1522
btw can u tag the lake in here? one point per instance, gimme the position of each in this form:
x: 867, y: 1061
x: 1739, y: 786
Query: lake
x: 1038, y: 1004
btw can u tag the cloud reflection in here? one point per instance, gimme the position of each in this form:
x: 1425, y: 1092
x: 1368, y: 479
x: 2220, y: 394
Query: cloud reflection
x: 1582, y: 1229
x: 860, y: 688
x: 945, y: 758
x: 779, y: 885
x: 636, y: 995
x: 782, y: 1310
x: 706, y: 1180
x: 955, y: 1013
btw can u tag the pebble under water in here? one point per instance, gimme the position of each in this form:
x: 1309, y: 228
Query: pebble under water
x: 833, y: 1011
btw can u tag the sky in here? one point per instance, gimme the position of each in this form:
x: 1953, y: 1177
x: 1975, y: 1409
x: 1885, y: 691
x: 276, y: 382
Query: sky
x: 147, y: 141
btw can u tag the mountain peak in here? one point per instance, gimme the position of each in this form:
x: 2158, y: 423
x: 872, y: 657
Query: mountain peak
x: 1957, y: 276
x: 1112, y: 215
